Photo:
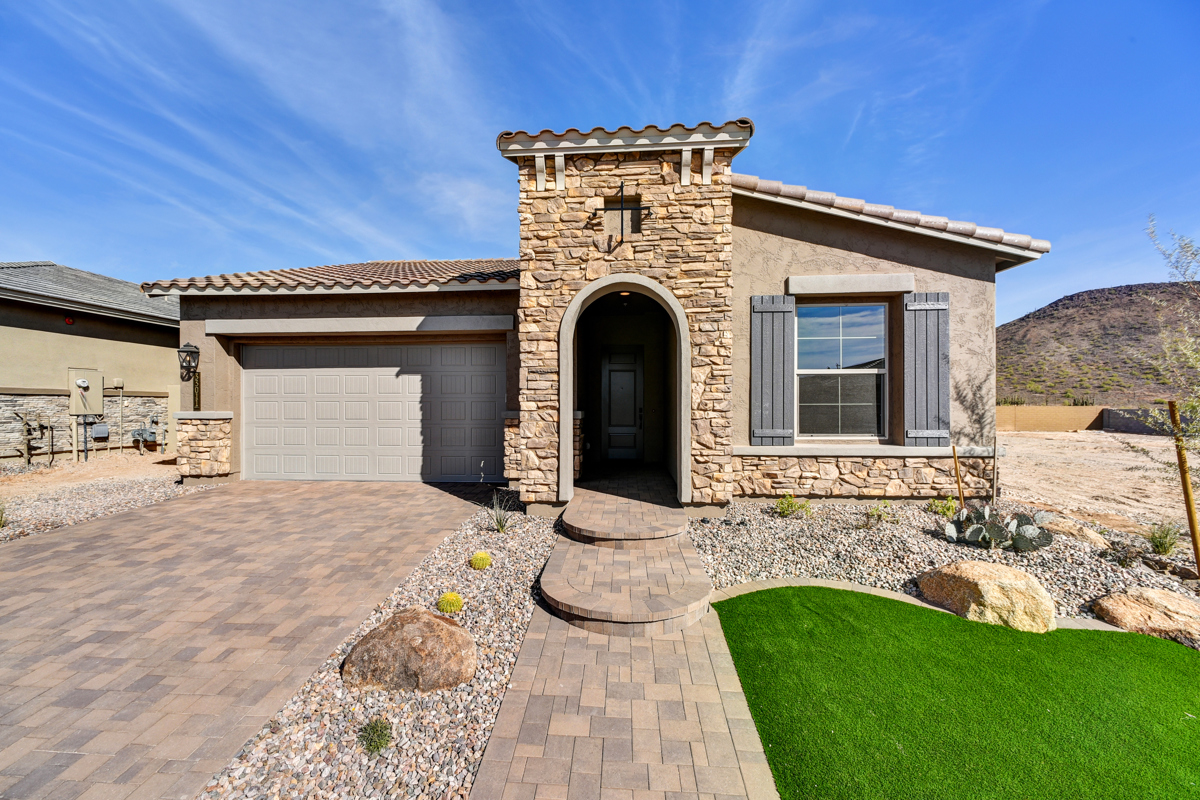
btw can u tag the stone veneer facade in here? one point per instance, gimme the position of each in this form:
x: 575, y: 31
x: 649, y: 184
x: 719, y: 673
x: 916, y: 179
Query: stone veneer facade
x: 685, y: 244
x: 774, y: 476
x: 52, y: 409
x: 204, y: 446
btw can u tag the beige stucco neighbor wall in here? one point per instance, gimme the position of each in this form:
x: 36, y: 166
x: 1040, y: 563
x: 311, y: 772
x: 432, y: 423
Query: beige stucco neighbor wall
x: 684, y: 245
x: 772, y: 242
x: 220, y: 356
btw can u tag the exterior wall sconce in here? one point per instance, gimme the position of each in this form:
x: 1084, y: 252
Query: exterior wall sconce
x: 189, y: 361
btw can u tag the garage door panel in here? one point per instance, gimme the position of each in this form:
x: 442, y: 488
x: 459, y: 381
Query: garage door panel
x: 392, y: 412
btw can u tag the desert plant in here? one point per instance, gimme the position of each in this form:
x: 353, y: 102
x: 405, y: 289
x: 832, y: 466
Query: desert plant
x: 3, y: 519
x: 1081, y: 401
x: 787, y: 506
x: 1012, y: 400
x: 450, y: 603
x: 944, y: 508
x: 499, y: 513
x: 879, y: 514
x: 375, y: 735
x: 1163, y: 537
x: 981, y: 526
x: 480, y: 560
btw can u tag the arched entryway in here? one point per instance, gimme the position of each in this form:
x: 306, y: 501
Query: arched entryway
x: 620, y: 355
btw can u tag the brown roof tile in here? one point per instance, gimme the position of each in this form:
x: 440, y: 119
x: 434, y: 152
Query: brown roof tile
x: 914, y: 219
x: 345, y: 276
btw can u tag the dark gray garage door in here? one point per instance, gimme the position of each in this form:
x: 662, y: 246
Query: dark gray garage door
x: 421, y: 412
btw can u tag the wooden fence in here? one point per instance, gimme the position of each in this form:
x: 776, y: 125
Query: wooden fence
x: 1048, y: 418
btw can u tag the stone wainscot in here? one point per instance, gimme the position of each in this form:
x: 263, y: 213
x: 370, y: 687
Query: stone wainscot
x: 775, y: 476
x: 205, y: 443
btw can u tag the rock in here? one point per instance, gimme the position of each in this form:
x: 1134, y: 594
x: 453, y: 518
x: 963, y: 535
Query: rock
x: 1065, y: 526
x: 1156, y: 612
x: 988, y: 592
x: 412, y: 649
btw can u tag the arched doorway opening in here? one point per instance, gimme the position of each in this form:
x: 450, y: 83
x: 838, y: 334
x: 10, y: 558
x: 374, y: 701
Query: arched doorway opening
x: 624, y: 361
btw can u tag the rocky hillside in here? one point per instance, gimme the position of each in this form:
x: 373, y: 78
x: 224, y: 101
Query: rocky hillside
x: 1092, y: 345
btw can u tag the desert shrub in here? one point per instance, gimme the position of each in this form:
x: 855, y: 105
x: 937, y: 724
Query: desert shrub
x: 944, y: 508
x: 787, y: 506
x: 1163, y: 537
x: 879, y: 514
x: 3, y: 518
x: 1081, y: 401
x: 375, y: 735
x: 982, y: 527
x: 1014, y: 400
x: 450, y: 603
x: 480, y: 560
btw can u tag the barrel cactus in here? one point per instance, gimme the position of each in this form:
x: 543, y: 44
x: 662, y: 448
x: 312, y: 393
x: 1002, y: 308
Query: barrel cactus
x: 983, y: 527
x: 480, y: 560
x: 450, y: 603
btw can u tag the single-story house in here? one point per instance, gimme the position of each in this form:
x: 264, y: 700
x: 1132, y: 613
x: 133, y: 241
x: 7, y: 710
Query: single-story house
x: 54, y: 319
x: 751, y: 338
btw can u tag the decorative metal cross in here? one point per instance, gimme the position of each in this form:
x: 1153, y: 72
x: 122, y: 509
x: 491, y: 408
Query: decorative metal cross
x: 622, y: 209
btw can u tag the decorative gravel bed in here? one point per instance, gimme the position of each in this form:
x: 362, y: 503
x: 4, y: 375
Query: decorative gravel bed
x: 753, y: 543
x: 45, y: 511
x: 310, y: 748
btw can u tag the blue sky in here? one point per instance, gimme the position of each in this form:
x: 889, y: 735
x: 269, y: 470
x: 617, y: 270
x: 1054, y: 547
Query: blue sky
x: 161, y: 139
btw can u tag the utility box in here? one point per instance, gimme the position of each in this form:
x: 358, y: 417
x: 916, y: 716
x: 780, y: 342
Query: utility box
x: 87, y: 392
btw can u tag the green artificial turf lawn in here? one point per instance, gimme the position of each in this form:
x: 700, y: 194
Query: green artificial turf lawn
x: 857, y: 696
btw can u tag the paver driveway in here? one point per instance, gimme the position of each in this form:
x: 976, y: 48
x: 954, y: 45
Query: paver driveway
x: 139, y: 652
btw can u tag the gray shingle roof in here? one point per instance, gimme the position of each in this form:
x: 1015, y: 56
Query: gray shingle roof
x: 47, y: 283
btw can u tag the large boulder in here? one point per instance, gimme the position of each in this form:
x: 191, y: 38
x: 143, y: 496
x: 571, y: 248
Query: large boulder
x: 1157, y: 612
x: 412, y: 649
x: 1065, y: 526
x: 985, y: 591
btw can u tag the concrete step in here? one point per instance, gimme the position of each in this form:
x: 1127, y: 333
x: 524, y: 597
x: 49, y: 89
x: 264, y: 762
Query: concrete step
x: 661, y: 588
x: 609, y: 520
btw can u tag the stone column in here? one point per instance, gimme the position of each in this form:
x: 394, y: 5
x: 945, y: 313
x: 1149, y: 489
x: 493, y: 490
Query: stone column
x: 205, y: 443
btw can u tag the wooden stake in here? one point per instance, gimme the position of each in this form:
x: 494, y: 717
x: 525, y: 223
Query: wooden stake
x: 1185, y: 475
x: 995, y: 455
x: 962, y: 501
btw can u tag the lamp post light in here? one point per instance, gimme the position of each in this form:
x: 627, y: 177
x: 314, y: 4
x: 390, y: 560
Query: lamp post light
x: 189, y: 362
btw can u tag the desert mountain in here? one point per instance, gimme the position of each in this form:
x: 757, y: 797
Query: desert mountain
x: 1093, y: 344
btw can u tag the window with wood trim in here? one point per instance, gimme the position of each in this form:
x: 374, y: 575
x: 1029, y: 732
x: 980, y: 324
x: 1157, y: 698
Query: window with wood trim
x: 841, y: 371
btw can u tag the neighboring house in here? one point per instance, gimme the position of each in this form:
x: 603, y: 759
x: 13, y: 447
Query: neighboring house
x: 55, y: 318
x: 750, y: 337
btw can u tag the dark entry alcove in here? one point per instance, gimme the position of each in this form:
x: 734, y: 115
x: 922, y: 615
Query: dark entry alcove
x: 624, y: 366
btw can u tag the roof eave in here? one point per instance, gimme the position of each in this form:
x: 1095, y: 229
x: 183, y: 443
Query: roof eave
x: 358, y: 288
x: 86, y: 307
x: 1009, y: 256
x: 732, y: 135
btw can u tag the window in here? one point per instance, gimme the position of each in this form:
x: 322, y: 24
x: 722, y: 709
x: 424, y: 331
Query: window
x: 841, y: 370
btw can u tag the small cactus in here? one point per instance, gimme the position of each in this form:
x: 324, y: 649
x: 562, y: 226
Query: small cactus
x: 980, y: 526
x: 480, y: 560
x: 450, y: 603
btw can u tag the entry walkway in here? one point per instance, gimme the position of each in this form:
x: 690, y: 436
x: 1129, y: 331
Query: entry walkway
x: 139, y: 652
x: 595, y: 717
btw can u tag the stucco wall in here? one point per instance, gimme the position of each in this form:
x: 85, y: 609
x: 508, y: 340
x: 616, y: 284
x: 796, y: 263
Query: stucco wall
x: 220, y: 356
x: 39, y: 348
x: 772, y: 242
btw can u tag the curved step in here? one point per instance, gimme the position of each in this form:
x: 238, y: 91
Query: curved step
x: 642, y: 592
x: 609, y: 520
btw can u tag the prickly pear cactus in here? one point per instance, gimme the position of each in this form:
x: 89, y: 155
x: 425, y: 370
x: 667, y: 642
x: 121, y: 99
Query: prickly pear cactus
x: 983, y: 527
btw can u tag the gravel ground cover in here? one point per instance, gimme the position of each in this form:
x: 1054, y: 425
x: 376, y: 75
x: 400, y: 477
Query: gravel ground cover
x: 46, y: 510
x: 753, y: 543
x: 310, y: 748
x: 17, y: 467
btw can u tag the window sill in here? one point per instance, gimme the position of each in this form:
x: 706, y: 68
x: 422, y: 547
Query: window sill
x: 864, y: 450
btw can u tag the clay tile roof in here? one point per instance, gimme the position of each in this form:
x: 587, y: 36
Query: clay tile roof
x: 372, y: 274
x: 910, y: 219
x: 734, y: 134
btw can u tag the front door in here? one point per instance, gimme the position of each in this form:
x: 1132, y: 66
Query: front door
x: 621, y: 403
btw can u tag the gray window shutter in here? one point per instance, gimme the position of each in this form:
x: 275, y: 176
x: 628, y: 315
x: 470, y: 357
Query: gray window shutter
x: 772, y: 370
x: 927, y: 369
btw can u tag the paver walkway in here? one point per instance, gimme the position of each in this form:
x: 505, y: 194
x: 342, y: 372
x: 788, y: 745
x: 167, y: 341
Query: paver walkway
x: 595, y: 717
x: 139, y: 652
